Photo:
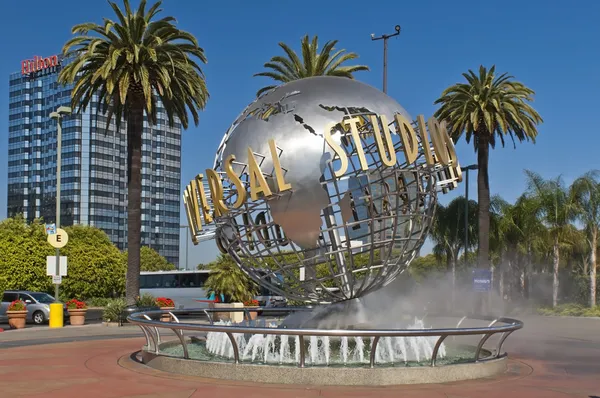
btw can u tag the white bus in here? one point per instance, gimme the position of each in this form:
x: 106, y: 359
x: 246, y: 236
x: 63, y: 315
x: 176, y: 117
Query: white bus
x: 186, y: 288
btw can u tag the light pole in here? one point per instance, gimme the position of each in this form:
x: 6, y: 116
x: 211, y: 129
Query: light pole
x: 385, y: 39
x: 187, y: 229
x: 58, y: 115
x: 466, y: 170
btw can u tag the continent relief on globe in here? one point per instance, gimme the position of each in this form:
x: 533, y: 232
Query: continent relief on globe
x: 299, y: 212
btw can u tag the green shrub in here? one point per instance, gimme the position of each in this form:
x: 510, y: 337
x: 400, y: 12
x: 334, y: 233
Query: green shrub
x: 98, y: 301
x: 571, y: 309
x: 146, y: 300
x: 114, y: 310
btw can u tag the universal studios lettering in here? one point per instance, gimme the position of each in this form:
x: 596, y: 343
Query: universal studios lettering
x: 443, y: 153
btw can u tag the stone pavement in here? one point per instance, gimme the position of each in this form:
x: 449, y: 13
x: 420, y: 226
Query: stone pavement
x: 553, y: 357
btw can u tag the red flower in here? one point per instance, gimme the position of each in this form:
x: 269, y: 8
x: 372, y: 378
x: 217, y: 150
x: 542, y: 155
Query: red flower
x: 75, y: 304
x: 251, y: 303
x: 164, y: 302
x: 17, y: 305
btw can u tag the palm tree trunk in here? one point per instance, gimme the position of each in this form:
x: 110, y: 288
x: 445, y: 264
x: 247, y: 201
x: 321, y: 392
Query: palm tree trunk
x: 593, y: 268
x: 483, y: 197
x: 556, y: 255
x: 454, y: 255
x: 135, y: 127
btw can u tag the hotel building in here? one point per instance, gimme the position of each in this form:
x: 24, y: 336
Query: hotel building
x: 94, y: 163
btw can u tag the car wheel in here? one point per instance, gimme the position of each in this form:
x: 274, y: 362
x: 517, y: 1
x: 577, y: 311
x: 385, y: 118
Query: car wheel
x: 38, y: 317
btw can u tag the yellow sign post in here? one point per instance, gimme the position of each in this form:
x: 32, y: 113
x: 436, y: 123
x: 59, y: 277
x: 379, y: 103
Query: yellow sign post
x: 59, y: 239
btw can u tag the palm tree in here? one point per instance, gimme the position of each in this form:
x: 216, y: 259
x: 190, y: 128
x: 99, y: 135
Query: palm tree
x: 526, y: 212
x: 559, y: 207
x: 130, y: 64
x: 486, y: 108
x: 587, y: 189
x: 286, y: 69
x: 228, y: 279
x: 448, y: 231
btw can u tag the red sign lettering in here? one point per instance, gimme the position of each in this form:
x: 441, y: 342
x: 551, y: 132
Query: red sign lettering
x: 38, y: 63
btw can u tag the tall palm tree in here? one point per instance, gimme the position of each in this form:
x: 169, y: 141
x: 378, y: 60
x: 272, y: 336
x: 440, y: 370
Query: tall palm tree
x: 558, y: 205
x: 130, y: 64
x: 587, y: 189
x: 486, y: 108
x: 291, y: 67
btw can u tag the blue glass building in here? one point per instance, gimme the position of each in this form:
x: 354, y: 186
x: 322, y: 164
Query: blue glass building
x: 94, y: 165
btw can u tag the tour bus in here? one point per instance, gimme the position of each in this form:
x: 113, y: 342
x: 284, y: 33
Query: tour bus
x: 186, y: 288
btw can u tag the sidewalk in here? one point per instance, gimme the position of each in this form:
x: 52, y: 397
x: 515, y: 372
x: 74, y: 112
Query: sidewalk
x: 104, y: 369
x: 46, y: 335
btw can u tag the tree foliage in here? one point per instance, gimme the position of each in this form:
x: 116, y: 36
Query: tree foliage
x: 487, y: 107
x: 95, y: 266
x: 151, y: 260
x: 290, y: 67
x: 228, y: 279
x: 136, y: 54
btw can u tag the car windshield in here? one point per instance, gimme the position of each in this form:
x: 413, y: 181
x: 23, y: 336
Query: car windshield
x: 43, y: 298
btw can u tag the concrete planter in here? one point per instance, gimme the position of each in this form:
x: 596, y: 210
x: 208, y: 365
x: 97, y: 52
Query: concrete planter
x: 77, y: 316
x: 234, y: 317
x: 166, y: 317
x: 16, y: 319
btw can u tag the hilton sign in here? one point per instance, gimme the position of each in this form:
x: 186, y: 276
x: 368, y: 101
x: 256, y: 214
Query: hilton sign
x: 38, y: 64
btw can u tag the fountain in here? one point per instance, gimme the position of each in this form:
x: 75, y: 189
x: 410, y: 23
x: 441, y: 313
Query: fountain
x: 323, y: 191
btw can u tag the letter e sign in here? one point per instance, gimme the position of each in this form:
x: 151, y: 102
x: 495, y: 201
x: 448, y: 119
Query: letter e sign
x: 59, y: 239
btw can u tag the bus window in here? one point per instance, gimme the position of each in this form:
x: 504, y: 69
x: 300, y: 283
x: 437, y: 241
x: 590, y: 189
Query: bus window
x: 169, y: 280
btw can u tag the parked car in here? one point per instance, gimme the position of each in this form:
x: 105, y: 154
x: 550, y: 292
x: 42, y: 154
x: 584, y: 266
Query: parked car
x: 38, y: 305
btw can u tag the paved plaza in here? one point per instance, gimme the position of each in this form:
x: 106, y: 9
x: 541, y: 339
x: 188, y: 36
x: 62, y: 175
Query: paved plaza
x: 551, y: 357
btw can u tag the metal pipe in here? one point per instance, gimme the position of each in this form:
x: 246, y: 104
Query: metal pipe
x: 301, y: 348
x: 179, y: 334
x: 510, y: 325
x: 502, y: 339
x: 373, y: 351
x: 480, y: 345
x: 236, y: 351
x: 438, y: 344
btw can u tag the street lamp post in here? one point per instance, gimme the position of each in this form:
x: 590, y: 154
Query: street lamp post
x: 466, y: 170
x: 58, y: 115
x: 186, y: 244
x: 385, y: 39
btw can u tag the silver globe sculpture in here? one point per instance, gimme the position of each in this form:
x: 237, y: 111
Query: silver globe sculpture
x: 327, y: 239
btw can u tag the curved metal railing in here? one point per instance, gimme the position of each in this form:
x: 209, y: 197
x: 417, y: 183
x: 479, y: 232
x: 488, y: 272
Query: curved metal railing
x: 150, y: 327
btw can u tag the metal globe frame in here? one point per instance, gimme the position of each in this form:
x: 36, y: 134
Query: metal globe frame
x: 372, y: 226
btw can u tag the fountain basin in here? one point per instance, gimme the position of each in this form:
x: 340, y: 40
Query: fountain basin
x: 320, y: 356
x: 325, y: 375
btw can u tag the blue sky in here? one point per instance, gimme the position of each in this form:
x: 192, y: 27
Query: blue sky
x: 551, y: 46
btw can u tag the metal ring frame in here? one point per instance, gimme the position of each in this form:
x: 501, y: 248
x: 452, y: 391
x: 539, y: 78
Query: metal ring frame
x: 146, y: 322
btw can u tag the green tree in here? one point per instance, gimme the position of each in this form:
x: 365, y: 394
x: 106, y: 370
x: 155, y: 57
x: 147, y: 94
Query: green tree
x: 421, y: 267
x: 558, y: 205
x: 290, y: 67
x: 487, y: 107
x: 151, y: 260
x: 130, y: 64
x: 228, y: 279
x: 587, y: 189
x: 96, y: 267
x: 23, y: 250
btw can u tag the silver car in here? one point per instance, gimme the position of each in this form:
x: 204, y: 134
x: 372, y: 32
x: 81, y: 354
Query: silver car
x: 38, y: 305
